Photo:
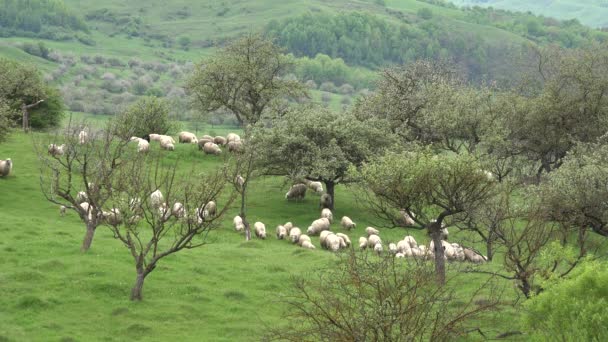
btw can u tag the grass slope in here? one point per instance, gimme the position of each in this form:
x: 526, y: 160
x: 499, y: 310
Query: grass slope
x: 224, y: 291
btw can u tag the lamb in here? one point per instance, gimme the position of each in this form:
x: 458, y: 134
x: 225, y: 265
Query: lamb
x: 297, y: 192
x: 260, y: 230
x: 235, y: 146
x: 83, y: 137
x: 473, y: 257
x: 345, y: 238
x: 347, y: 223
x: 373, y: 240
x: 315, y: 186
x: 62, y: 210
x: 156, y: 198
x: 308, y: 245
x: 303, y: 238
x: 178, y: 210
x: 6, y: 166
x: 325, y: 201
x: 187, y: 138
x: 362, y: 242
x: 56, y: 150
x: 294, y: 234
x: 288, y: 226
x: 81, y: 197
x: 318, y: 226
x: 371, y: 231
x: 220, y: 140
x: 326, y: 213
x: 232, y: 137
x: 281, y: 232
x: 211, y: 148
x: 239, y: 226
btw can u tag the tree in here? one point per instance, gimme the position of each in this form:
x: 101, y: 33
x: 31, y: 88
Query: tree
x: 432, y: 189
x: 318, y: 145
x: 84, y: 173
x: 5, y: 122
x: 244, y: 78
x: 369, y: 298
x: 147, y: 115
x: 153, y: 231
x: 185, y: 42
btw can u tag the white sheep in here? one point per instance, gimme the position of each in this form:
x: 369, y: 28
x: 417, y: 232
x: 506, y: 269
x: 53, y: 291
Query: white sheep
x: 333, y: 242
x: 407, y: 219
x: 403, y: 246
x: 112, y: 217
x: 240, y: 181
x: 315, y: 186
x: 473, y: 257
x: 281, y: 232
x: 399, y: 255
x: 155, y: 137
x: 347, y: 223
x: 167, y: 138
x: 203, y: 141
x: 239, y: 226
x: 165, y: 212
x: 6, y: 166
x: 323, y: 236
x: 187, y: 138
x: 373, y: 240
x: 392, y: 248
x: 371, y: 231
x: 260, y: 230
x: 143, y: 146
x: 62, y: 210
x: 211, y: 148
x: 166, y: 144
x: 156, y: 198
x: 83, y: 137
x: 297, y: 192
x: 294, y: 234
x: 210, y: 210
x: 326, y: 213
x: 303, y: 238
x: 234, y: 146
x: 220, y: 140
x: 318, y: 226
x: 288, y: 226
x: 362, y: 242
x: 56, y: 150
x: 459, y: 251
x: 178, y: 210
x: 325, y: 201
x: 81, y: 197
x: 232, y: 137
x: 308, y: 245
x: 378, y: 248
x: 345, y: 238
x: 411, y: 241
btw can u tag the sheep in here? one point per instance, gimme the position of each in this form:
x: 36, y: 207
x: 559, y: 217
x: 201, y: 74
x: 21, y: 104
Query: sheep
x: 240, y: 181
x: 166, y: 144
x: 347, y: 223
x: 6, y: 166
x: 392, y: 248
x: 202, y: 142
x: 81, y: 197
x: 167, y: 138
x: 323, y: 236
x: 294, y: 234
x: 235, y: 146
x: 178, y: 210
x: 405, y: 219
x: 87, y: 208
x: 239, y: 226
x: 187, y: 138
x: 165, y: 212
x: 373, y: 240
x: 473, y: 257
x: 448, y: 250
x: 260, y: 230
x: 211, y: 148
x: 371, y: 231
x: 208, y: 137
x: 325, y: 201
x: 343, y: 243
x: 297, y: 192
x: 143, y: 146
x: 345, y: 238
x: 56, y: 150
x: 220, y: 140
x: 156, y: 198
x: 411, y: 241
x: 308, y: 245
x: 154, y: 137
x: 378, y: 248
x: 403, y: 247
x: 318, y: 226
x: 83, y: 137
x: 288, y: 226
x: 281, y: 232
x: 459, y: 251
x: 209, y: 210
x: 399, y: 255
x: 112, y: 217
x: 232, y: 137
x: 362, y: 242
x: 315, y: 186
x: 326, y: 213
x: 444, y: 234
x: 303, y: 238
x: 62, y: 210
x: 333, y: 242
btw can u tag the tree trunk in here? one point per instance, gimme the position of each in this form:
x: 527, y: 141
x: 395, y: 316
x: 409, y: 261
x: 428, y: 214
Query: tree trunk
x: 243, y: 213
x: 25, y: 120
x: 490, y: 245
x: 137, y: 291
x: 330, y: 189
x: 88, y: 237
x: 435, y: 230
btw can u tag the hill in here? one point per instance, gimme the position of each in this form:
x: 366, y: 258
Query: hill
x: 589, y: 12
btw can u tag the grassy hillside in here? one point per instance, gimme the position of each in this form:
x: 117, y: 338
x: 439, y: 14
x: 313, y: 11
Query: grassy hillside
x: 590, y: 12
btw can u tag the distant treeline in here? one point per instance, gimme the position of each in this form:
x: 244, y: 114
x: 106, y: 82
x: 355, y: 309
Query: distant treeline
x: 47, y: 19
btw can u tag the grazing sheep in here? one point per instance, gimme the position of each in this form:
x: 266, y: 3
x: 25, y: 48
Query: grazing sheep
x: 403, y: 247
x: 166, y: 143
x: 209, y: 210
x: 406, y: 219
x: 165, y: 212
x: 423, y: 251
x: 260, y: 230
x: 288, y: 226
x: 81, y: 197
x: 203, y: 141
x: 392, y: 248
x: 460, y: 256
x: 315, y: 186
x: 154, y: 137
x: 473, y: 257
x: 62, y: 210
x: 362, y: 242
x: 444, y: 234
x: 178, y: 210
x: 411, y: 241
x: 373, y: 240
x: 378, y: 248
x: 333, y: 242
x: 6, y: 166
x: 220, y: 140
x: 112, y: 217
x: 143, y: 146
x: 448, y: 250
x: 347, y: 223
x: 281, y: 232
x: 232, y: 137
x: 187, y: 138
x: 323, y: 236
x: 345, y: 238
x: 239, y: 226
x: 211, y: 148
x: 294, y: 234
x: 325, y: 201
x: 308, y: 245
x: 56, y: 150
x: 326, y: 213
x: 303, y: 238
x: 399, y: 255
x: 371, y: 231
x: 208, y: 137
x: 83, y: 137
x: 156, y: 198
x: 240, y: 181
x: 297, y: 192
x: 167, y: 138
x: 318, y: 226
x: 87, y: 208
x: 235, y: 146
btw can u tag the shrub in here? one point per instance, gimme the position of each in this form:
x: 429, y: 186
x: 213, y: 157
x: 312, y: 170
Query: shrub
x: 147, y: 115
x: 326, y: 98
x: 328, y: 86
x: 346, y: 89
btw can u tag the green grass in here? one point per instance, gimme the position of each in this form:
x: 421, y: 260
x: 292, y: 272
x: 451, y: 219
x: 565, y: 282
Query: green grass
x: 224, y: 291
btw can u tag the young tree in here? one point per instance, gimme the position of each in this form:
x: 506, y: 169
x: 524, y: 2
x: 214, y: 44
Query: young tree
x: 244, y: 78
x: 82, y: 173
x: 432, y: 189
x: 151, y: 230
x: 319, y: 145
x: 147, y: 115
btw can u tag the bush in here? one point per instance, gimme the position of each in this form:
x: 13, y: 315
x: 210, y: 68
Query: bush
x: 326, y: 98
x: 328, y: 86
x: 147, y: 115
x: 346, y: 89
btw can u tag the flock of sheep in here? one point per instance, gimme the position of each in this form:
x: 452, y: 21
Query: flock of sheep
x: 207, y: 143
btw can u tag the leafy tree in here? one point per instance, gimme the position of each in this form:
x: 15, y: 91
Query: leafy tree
x: 245, y: 79
x: 432, y: 189
x: 318, y: 145
x: 147, y: 115
x: 5, y: 121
